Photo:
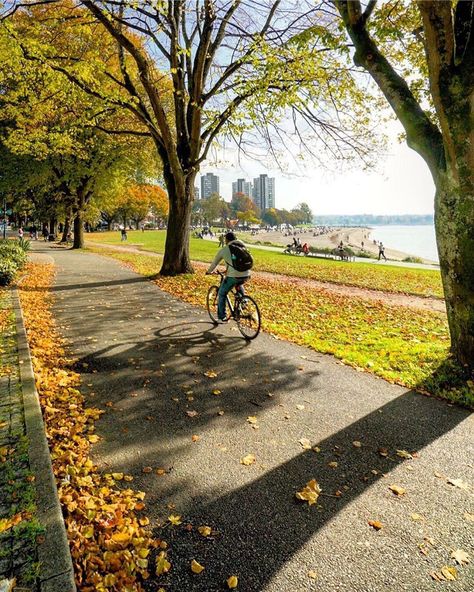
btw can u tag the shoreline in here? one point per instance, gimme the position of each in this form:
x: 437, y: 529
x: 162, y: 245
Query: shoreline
x: 358, y: 238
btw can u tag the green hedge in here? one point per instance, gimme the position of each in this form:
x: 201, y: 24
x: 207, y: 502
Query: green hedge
x: 13, y: 256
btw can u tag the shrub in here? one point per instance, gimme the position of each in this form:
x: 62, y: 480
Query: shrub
x: 413, y: 260
x: 24, y: 244
x: 8, y: 269
x: 13, y: 251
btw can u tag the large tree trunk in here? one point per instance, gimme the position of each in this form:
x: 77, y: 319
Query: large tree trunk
x: 181, y: 196
x: 78, y: 230
x: 454, y: 220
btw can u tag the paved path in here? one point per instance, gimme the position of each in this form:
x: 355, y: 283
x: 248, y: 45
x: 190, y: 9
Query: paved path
x: 143, y: 356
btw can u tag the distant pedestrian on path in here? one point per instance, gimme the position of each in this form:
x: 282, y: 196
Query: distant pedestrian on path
x: 123, y: 234
x: 20, y: 233
x: 382, y: 251
x: 221, y: 241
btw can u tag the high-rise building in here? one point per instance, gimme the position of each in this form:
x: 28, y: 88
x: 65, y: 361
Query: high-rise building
x: 242, y: 186
x: 209, y: 185
x: 264, y: 192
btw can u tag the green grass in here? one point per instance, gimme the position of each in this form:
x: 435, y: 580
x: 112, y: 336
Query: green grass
x: 403, y: 345
x: 421, y: 282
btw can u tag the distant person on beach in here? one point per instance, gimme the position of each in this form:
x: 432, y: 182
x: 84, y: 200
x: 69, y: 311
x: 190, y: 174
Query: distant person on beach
x: 382, y: 251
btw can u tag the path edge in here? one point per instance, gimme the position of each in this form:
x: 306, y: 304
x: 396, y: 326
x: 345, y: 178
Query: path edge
x: 57, y: 572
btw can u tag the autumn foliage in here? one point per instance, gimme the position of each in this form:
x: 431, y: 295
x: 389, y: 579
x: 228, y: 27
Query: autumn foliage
x: 109, y: 544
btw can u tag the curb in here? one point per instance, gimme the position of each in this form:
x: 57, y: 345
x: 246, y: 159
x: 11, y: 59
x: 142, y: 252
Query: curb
x: 57, y: 573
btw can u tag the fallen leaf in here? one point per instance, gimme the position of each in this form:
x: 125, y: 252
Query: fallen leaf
x: 460, y: 557
x: 305, y: 444
x: 233, y: 582
x: 300, y: 407
x: 397, y: 490
x: 252, y: 419
x: 196, y: 567
x: 458, y: 483
x: 469, y: 517
x: 93, y: 438
x: 247, y: 460
x: 210, y: 374
x: 204, y: 530
x: 450, y: 573
x: 404, y: 454
x: 162, y: 564
x: 216, y: 392
x: 357, y: 444
x: 383, y: 452
x: 310, y: 492
x: 195, y: 438
x: 160, y: 471
x: 416, y: 517
x: 147, y: 469
x: 332, y: 464
x: 192, y: 413
x: 174, y: 519
x: 375, y: 524
x: 312, y: 574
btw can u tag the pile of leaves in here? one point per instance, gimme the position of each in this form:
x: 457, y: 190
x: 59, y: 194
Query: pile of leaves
x: 109, y: 544
x: 13, y: 256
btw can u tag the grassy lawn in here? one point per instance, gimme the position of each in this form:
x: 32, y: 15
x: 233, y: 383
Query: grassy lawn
x: 402, y: 345
x: 422, y: 282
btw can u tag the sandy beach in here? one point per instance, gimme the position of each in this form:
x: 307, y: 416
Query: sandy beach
x: 357, y: 238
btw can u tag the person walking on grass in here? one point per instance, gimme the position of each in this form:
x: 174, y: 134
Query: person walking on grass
x: 235, y: 256
x: 382, y: 251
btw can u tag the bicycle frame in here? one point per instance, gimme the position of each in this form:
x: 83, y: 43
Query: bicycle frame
x: 233, y: 291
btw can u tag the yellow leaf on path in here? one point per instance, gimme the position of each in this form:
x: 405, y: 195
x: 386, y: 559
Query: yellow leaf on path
x: 404, y: 454
x: 216, y: 392
x: 160, y: 471
x: 310, y: 492
x: 305, y: 443
x: 312, y: 574
x: 210, y: 374
x: 252, y: 419
x: 147, y: 469
x: 332, y: 464
x: 175, y: 519
x: 233, y: 582
x: 204, y: 530
x: 460, y: 557
x: 93, y: 438
x: 397, y: 490
x: 375, y: 524
x: 247, y: 460
x: 357, y: 444
x: 117, y: 476
x: 450, y: 573
x: 195, y: 438
x: 192, y: 413
x: 300, y: 407
x: 196, y: 567
x: 458, y: 483
x: 162, y: 564
x: 416, y: 517
x: 469, y: 517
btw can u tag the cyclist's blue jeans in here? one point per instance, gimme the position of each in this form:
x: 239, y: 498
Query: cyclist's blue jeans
x: 226, y: 287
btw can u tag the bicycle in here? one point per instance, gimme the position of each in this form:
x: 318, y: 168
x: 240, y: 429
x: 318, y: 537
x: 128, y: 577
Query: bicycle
x: 244, y: 310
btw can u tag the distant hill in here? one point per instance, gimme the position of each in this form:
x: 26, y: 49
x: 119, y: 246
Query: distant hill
x: 371, y: 220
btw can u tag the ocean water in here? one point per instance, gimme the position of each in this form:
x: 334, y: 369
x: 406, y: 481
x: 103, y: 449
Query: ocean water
x: 415, y: 240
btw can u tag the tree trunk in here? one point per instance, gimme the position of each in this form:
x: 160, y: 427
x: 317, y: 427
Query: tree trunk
x: 67, y: 228
x: 181, y: 196
x: 454, y: 221
x: 78, y: 230
x: 52, y: 226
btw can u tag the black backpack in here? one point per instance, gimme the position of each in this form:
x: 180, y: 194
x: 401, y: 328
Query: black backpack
x: 241, y: 257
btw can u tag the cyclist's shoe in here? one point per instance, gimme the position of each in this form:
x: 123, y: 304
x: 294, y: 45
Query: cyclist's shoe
x: 222, y: 321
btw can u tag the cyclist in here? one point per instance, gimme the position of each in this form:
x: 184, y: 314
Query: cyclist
x: 232, y: 278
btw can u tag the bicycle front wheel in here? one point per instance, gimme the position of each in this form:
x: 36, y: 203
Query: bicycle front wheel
x: 211, y: 303
x: 247, y: 315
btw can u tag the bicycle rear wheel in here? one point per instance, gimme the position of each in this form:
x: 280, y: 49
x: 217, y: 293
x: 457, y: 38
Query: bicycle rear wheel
x: 211, y: 303
x: 247, y: 315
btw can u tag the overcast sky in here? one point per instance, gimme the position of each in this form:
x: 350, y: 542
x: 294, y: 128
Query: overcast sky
x: 401, y: 184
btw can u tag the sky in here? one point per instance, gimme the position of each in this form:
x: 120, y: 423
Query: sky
x: 401, y: 184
